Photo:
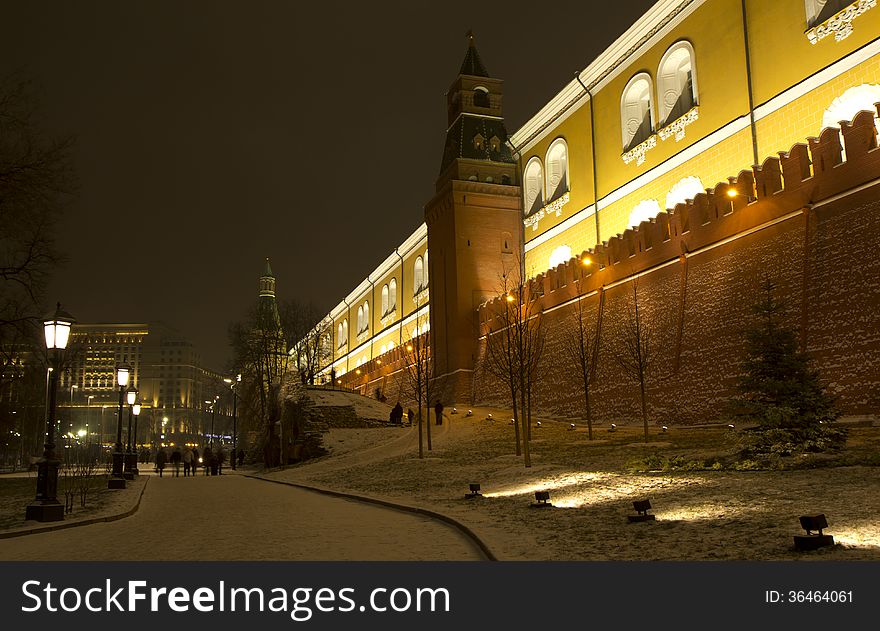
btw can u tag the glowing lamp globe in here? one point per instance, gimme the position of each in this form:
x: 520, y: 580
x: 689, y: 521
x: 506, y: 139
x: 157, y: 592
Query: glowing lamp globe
x: 123, y: 372
x: 131, y: 396
x: 57, y: 329
x: 136, y: 409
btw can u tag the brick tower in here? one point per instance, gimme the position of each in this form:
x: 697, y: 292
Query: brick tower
x: 474, y: 223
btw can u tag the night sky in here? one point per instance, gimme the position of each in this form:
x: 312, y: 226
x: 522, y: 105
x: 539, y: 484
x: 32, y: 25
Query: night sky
x: 213, y: 134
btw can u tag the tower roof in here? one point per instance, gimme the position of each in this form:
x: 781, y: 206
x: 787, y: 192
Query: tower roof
x: 472, y: 64
x: 268, y: 270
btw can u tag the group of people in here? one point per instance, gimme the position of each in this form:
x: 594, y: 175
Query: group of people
x: 396, y: 415
x: 211, y: 460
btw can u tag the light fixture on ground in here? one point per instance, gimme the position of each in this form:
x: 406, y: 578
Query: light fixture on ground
x: 641, y: 507
x: 613, y: 427
x: 538, y: 424
x: 475, y: 491
x: 117, y: 476
x: 130, y: 455
x: 46, y: 506
x: 542, y: 499
x: 470, y: 413
x: 812, y: 541
x: 663, y: 429
x: 455, y: 410
x: 571, y: 427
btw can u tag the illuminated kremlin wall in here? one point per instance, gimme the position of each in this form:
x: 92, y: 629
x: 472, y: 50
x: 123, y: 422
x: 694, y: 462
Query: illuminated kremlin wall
x: 808, y: 220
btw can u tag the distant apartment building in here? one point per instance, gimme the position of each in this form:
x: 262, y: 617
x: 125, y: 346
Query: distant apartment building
x: 174, y: 387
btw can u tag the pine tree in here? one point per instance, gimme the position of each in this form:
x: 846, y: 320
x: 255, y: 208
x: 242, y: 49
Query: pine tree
x: 780, y: 390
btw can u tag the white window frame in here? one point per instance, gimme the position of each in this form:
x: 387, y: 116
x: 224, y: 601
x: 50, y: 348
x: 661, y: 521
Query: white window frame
x: 556, y: 192
x: 536, y: 186
x: 665, y: 109
x: 625, y: 136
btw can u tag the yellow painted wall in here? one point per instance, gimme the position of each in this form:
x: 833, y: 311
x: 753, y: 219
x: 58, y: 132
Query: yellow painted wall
x: 576, y: 131
x: 781, y: 54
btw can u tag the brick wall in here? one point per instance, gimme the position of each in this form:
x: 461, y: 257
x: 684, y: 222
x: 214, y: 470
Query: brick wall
x: 806, y: 220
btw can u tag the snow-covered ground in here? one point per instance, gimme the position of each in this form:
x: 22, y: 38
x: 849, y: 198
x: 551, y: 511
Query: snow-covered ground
x: 700, y: 514
x: 364, y: 407
x: 231, y: 517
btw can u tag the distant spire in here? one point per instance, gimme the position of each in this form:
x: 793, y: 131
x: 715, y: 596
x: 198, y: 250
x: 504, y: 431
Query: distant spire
x: 472, y: 65
x: 268, y: 271
x: 267, y: 282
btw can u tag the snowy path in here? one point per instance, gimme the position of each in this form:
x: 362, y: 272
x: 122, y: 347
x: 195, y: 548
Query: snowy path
x: 231, y: 517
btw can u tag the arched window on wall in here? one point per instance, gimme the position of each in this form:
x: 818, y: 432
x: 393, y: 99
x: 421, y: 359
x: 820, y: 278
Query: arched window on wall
x: 637, y: 111
x: 560, y: 255
x: 384, y: 300
x: 643, y: 211
x: 533, y: 181
x: 850, y: 103
x: 392, y: 295
x: 342, y: 334
x: 820, y: 10
x: 366, y: 323
x: 360, y: 319
x: 683, y: 190
x: 676, y: 82
x: 418, y: 275
x: 557, y: 169
x: 481, y: 96
x: 425, y: 272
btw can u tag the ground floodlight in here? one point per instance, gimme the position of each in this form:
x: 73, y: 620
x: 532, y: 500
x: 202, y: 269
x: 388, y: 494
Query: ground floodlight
x: 538, y: 424
x: 571, y: 427
x: 641, y: 507
x: 470, y: 413
x: 512, y: 421
x: 455, y: 410
x: 613, y: 427
x: 475, y: 490
x: 812, y: 541
x: 488, y: 417
x: 663, y: 429
x: 542, y: 499
x: 731, y: 426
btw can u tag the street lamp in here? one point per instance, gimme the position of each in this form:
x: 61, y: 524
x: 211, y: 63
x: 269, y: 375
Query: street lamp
x: 136, y: 410
x: 46, y: 506
x: 117, y: 477
x: 232, y: 385
x: 130, y: 456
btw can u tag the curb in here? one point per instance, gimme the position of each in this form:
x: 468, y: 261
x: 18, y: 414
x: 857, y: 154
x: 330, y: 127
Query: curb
x: 84, y: 522
x: 467, y: 532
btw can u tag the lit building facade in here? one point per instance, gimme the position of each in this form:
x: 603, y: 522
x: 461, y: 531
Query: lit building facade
x: 173, y: 385
x: 694, y: 93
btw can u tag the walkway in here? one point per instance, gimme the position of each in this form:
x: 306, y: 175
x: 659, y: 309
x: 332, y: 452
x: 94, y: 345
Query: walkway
x: 231, y: 517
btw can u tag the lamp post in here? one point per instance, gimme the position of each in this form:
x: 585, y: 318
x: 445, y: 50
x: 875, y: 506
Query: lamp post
x: 46, y: 506
x: 213, y: 411
x: 136, y: 410
x: 130, y: 456
x: 232, y: 385
x: 117, y: 477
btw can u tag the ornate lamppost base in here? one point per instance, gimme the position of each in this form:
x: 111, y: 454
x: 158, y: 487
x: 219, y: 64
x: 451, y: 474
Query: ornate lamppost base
x: 117, y: 479
x: 130, y: 466
x: 45, y: 510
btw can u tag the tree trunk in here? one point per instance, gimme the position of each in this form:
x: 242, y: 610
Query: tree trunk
x: 644, y: 406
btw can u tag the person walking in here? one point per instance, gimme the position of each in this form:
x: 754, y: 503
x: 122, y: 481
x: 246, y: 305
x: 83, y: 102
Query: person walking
x: 410, y: 415
x: 207, y: 460
x: 187, y: 461
x: 161, y: 458
x: 240, y: 457
x: 221, y: 458
x: 438, y: 410
x: 176, y: 457
x: 196, y: 461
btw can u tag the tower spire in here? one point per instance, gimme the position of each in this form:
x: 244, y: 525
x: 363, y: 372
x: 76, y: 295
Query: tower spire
x: 472, y: 65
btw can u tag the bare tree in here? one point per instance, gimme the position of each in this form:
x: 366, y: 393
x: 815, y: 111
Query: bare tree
x: 636, y: 347
x: 582, y: 337
x: 36, y: 183
x: 310, y: 335
x: 514, y: 345
x: 419, y: 371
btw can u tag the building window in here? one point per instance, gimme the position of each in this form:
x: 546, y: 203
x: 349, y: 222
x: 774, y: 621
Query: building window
x: 364, y: 311
x: 676, y: 82
x: 560, y: 255
x: 342, y: 334
x: 533, y: 180
x: 418, y: 276
x: 384, y: 300
x: 683, y: 190
x: 392, y: 295
x: 644, y: 210
x: 850, y: 103
x: 481, y: 96
x: 557, y: 169
x: 819, y: 11
x: 636, y: 111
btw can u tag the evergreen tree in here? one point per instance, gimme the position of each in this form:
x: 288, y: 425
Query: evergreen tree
x: 780, y: 390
